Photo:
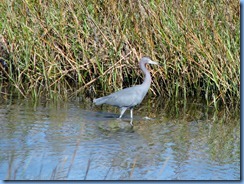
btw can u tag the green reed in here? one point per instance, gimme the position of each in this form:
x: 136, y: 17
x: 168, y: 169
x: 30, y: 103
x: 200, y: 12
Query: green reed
x: 58, y: 49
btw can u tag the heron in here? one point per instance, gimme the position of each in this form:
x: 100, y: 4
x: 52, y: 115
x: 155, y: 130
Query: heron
x: 128, y: 98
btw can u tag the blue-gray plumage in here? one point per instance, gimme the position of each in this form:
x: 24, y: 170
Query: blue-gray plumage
x: 132, y: 96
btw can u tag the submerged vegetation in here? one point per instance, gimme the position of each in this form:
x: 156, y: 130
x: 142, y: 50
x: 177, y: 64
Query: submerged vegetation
x: 64, y: 48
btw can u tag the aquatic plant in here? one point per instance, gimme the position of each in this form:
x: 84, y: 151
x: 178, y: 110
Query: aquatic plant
x: 58, y: 49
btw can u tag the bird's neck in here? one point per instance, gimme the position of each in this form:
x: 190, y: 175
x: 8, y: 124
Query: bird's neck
x: 147, y: 80
x: 147, y: 76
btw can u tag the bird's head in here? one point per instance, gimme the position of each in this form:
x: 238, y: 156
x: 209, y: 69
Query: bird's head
x: 148, y: 60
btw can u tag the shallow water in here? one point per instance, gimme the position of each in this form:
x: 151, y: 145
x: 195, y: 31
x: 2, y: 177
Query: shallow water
x: 76, y: 141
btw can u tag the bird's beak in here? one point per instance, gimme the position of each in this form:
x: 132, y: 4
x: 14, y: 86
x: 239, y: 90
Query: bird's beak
x: 153, y: 62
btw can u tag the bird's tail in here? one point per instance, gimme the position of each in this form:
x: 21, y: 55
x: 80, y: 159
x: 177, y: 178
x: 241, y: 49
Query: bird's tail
x: 100, y: 101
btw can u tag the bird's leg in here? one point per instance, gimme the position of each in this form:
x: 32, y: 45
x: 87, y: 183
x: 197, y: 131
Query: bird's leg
x: 122, y: 111
x: 131, y: 116
x: 131, y: 113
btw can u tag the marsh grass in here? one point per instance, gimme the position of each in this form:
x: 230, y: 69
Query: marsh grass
x: 58, y: 49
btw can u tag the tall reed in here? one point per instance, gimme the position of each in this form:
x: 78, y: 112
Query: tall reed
x: 61, y: 48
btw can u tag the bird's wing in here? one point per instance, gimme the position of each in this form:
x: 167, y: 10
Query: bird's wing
x: 127, y: 97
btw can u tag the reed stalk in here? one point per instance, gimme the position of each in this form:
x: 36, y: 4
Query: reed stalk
x: 58, y: 48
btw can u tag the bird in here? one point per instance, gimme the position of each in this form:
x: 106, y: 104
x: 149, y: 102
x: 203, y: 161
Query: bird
x: 128, y: 98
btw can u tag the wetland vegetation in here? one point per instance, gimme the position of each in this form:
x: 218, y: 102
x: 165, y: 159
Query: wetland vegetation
x: 58, y: 49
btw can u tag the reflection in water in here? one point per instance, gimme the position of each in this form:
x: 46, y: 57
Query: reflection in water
x: 72, y: 141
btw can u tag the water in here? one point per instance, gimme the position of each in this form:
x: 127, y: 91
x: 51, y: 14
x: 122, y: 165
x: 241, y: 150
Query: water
x: 75, y: 141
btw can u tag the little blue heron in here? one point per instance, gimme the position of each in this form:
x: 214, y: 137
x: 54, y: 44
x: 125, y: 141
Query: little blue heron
x: 132, y: 96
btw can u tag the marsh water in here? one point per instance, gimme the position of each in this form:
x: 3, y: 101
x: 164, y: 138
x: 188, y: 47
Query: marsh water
x: 76, y: 141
